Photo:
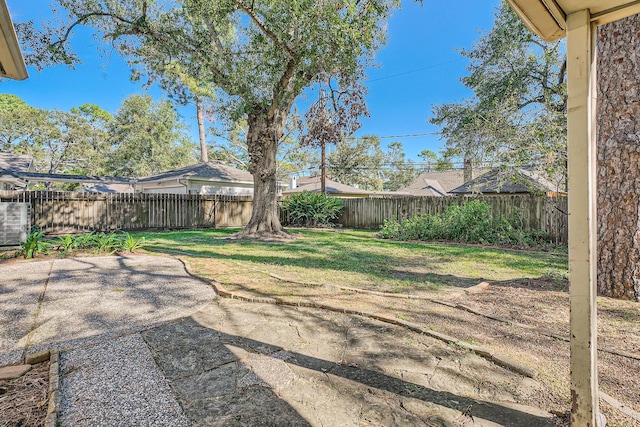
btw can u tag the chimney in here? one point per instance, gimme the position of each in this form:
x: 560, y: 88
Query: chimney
x: 467, y: 170
x: 293, y: 182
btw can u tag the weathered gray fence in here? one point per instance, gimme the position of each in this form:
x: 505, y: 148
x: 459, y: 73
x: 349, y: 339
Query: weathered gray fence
x: 535, y: 212
x: 73, y: 212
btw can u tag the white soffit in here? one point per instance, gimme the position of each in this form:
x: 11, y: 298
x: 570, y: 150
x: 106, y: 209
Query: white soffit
x: 11, y: 62
x: 547, y: 18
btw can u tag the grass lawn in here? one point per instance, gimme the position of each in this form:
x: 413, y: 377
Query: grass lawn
x: 528, y: 288
x: 357, y: 258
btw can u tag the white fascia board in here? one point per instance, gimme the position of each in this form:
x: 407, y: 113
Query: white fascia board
x: 11, y: 61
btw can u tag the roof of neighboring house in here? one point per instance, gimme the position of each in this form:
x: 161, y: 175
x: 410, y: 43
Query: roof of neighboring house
x: 16, y: 162
x: 437, y: 183
x: 210, y: 171
x: 61, y: 177
x: 8, y: 176
x: 313, y: 184
x: 109, y: 188
x: 501, y: 180
x: 304, y: 180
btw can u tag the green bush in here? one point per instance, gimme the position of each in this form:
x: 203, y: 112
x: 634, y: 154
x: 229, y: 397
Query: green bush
x: 131, y: 244
x: 309, y: 209
x: 85, y: 241
x: 34, y: 245
x: 109, y: 243
x: 468, y: 223
x: 66, y: 244
x: 98, y: 242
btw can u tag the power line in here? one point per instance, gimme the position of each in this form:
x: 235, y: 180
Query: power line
x: 409, y: 135
x: 404, y: 73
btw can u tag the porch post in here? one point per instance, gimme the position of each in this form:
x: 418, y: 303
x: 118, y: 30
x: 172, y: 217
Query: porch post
x: 581, y: 72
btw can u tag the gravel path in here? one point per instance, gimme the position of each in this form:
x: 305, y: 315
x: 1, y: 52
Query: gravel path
x: 116, y: 383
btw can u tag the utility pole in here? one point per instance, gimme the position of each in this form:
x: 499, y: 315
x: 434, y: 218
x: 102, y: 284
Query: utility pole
x: 323, y: 169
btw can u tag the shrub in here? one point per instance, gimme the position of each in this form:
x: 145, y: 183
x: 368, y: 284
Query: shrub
x: 131, y: 244
x: 107, y: 243
x: 469, y: 223
x: 98, y: 242
x: 34, y: 245
x: 85, y: 241
x: 309, y: 209
x: 66, y: 244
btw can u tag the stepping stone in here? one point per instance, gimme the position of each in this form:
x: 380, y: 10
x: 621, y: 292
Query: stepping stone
x: 12, y: 372
x: 39, y: 357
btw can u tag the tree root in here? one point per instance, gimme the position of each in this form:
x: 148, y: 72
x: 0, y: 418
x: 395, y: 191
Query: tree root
x: 281, y: 236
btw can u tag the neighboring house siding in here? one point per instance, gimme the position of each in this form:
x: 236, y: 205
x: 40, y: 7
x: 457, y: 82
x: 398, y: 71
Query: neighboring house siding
x: 196, y: 187
x: 226, y: 190
x: 216, y: 178
x: 165, y: 189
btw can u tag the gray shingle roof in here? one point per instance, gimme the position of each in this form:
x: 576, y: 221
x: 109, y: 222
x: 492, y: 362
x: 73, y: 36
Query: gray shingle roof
x: 313, y: 184
x: 214, y: 171
x: 61, y: 177
x: 437, y: 183
x: 15, y: 162
x: 510, y: 181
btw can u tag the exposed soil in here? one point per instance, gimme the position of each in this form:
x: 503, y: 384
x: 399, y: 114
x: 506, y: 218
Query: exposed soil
x: 24, y: 400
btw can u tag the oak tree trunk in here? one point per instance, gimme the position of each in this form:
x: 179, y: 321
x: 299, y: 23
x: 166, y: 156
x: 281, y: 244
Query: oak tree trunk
x: 618, y: 118
x: 264, y: 131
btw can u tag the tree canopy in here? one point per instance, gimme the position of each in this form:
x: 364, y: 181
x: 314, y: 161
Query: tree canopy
x: 400, y: 172
x: 143, y: 137
x: 260, y: 55
x: 357, y: 161
x: 148, y: 138
x: 517, y: 115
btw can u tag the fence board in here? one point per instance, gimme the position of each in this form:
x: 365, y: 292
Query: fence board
x: 536, y: 212
x: 72, y: 212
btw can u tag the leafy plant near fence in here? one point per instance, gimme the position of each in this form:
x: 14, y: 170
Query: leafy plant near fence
x: 110, y: 243
x: 34, y: 245
x: 132, y: 244
x: 471, y: 222
x: 309, y: 209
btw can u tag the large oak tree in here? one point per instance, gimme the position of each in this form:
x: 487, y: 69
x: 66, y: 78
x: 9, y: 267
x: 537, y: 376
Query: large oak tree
x: 260, y: 54
x: 619, y: 159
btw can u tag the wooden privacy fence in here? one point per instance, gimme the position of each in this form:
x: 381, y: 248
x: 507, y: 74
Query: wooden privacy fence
x: 535, y: 212
x: 73, y: 212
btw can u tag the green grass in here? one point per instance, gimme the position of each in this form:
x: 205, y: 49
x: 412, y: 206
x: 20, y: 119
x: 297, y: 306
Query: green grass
x: 356, y: 257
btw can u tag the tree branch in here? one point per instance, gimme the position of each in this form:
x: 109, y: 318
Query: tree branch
x: 136, y: 28
x: 267, y: 32
x: 281, y: 87
x: 215, y: 36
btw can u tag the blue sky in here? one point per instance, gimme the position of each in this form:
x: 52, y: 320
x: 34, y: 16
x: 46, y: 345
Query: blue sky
x: 419, y: 67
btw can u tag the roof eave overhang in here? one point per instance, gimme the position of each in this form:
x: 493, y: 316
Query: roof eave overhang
x: 544, y: 17
x: 193, y: 178
x: 548, y: 18
x: 11, y: 61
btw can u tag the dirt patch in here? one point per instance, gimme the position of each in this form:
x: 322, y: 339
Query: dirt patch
x: 24, y: 400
